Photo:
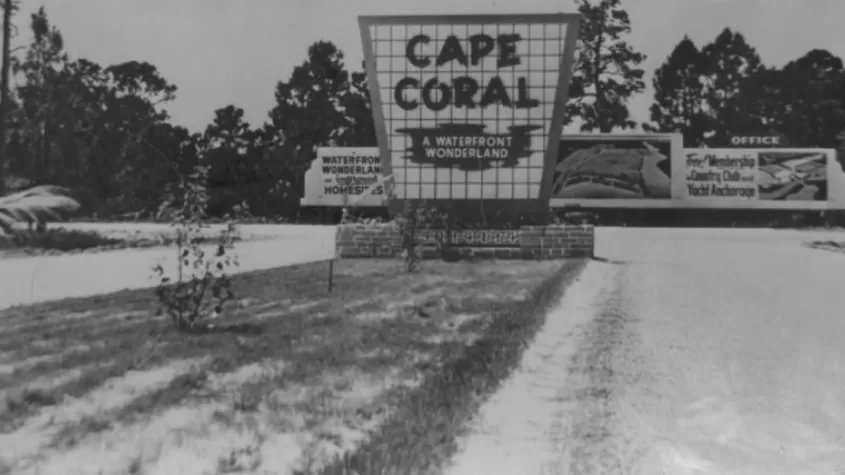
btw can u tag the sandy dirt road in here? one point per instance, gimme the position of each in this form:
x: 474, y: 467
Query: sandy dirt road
x: 29, y: 280
x: 246, y: 230
x: 686, y: 352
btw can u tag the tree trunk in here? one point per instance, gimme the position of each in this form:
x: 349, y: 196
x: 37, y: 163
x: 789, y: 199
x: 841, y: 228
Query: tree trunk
x: 4, y: 90
x: 604, y: 125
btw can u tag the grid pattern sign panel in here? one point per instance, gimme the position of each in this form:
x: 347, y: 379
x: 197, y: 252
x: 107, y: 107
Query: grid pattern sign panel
x: 467, y: 103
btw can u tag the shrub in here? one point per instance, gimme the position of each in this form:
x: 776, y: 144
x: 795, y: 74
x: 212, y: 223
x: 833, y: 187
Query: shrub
x: 35, y: 206
x: 62, y: 240
x: 417, y: 216
x: 408, y: 222
x: 203, y: 285
x: 350, y: 216
x: 577, y: 217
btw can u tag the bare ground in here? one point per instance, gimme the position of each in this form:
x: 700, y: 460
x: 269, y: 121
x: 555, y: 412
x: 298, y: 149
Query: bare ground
x: 679, y: 352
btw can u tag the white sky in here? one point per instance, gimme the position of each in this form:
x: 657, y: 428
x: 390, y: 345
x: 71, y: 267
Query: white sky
x: 221, y: 52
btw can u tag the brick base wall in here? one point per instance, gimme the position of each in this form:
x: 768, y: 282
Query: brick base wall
x: 535, y: 242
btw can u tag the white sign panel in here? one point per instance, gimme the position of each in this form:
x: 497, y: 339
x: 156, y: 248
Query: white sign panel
x: 761, y: 178
x: 345, y: 176
x: 721, y: 174
x: 468, y: 103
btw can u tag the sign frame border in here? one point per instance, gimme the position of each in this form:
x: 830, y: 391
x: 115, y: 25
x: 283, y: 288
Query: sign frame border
x: 573, y: 29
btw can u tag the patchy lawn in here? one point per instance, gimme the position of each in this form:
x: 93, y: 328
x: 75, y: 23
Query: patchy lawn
x: 382, y: 373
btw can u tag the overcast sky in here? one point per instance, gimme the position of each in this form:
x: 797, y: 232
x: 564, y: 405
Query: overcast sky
x: 221, y: 52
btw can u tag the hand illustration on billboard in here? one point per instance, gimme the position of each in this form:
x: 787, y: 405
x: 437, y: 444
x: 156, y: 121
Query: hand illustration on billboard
x: 613, y: 169
x: 657, y: 181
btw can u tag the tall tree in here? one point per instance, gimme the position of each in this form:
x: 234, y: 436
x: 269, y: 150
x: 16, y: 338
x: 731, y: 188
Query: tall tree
x: 41, y: 95
x: 606, y: 68
x: 8, y: 7
x: 814, y: 90
x: 759, y: 102
x: 85, y: 126
x: 360, y: 130
x: 228, y: 143
x: 678, y: 95
x: 228, y: 129
x: 309, y: 113
x: 77, y: 124
x: 171, y: 154
x: 804, y: 100
x: 273, y: 187
x: 99, y: 131
x: 729, y: 62
x: 128, y: 96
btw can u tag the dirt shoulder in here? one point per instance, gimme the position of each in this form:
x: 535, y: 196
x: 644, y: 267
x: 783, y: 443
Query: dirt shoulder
x: 607, y: 379
x: 570, y: 406
x: 288, y: 382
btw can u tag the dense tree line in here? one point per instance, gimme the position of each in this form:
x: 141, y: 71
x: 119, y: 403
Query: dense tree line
x: 101, y: 130
x: 723, y: 89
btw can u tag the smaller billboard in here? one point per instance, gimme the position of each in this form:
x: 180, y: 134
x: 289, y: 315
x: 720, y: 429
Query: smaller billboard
x: 345, y: 176
x: 760, y: 178
x: 720, y: 174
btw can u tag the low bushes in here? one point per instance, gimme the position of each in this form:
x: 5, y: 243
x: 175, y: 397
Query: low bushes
x: 57, y: 240
x: 61, y: 241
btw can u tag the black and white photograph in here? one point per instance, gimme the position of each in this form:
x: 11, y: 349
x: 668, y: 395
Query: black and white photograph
x: 372, y: 237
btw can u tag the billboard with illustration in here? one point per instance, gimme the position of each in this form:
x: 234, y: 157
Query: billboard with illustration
x: 345, y: 176
x: 615, y: 170
x: 469, y: 107
x: 799, y: 178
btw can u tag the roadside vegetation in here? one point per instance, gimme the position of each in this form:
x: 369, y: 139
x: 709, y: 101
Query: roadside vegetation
x: 835, y: 246
x: 382, y: 372
x: 58, y: 240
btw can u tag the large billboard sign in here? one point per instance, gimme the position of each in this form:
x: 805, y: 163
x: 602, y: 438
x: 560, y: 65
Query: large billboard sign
x: 469, y: 107
x: 654, y: 171
x: 345, y: 176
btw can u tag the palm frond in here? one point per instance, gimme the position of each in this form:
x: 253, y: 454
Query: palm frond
x: 35, y: 205
x: 41, y: 190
